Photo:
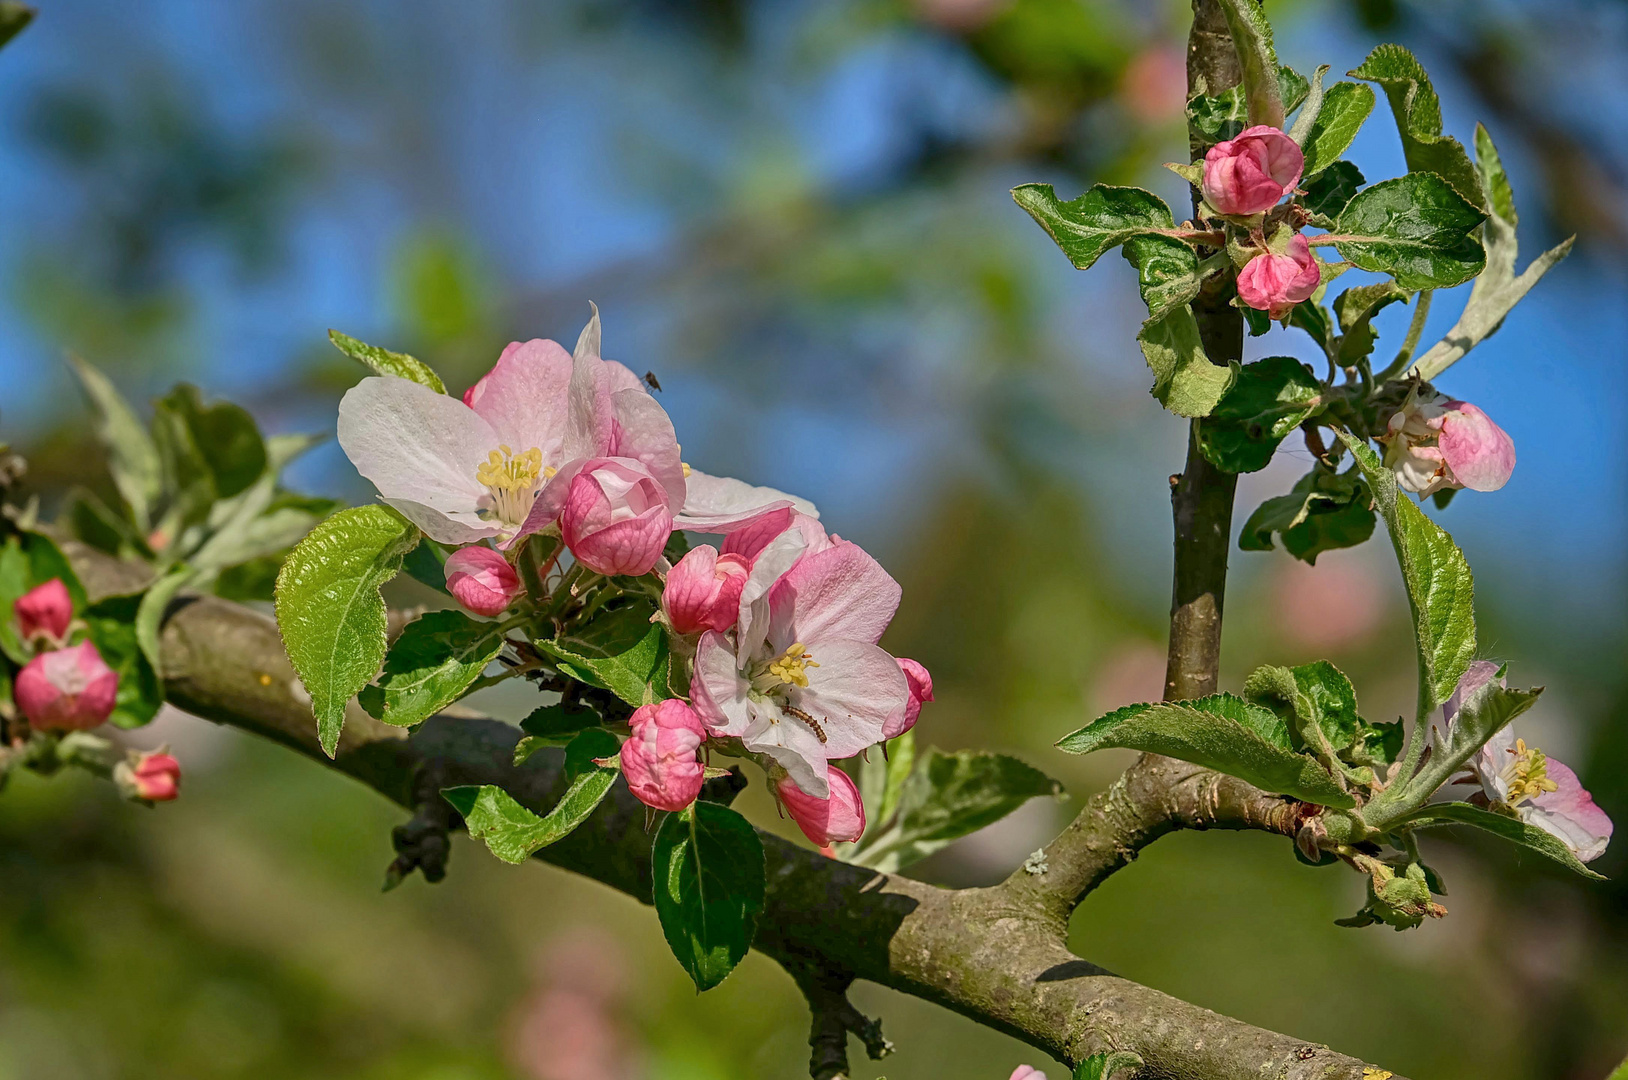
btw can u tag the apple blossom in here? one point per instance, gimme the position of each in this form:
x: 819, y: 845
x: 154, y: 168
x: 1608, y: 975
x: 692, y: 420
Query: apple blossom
x: 659, y: 759
x: 153, y: 776
x: 839, y: 818
x: 482, y: 580
x: 1436, y: 443
x: 921, y: 691
x: 616, y: 518
x: 45, y: 610
x: 1026, y: 1072
x: 1522, y: 780
x: 1250, y: 174
x: 66, y: 689
x: 703, y: 591
x: 804, y: 681
x: 1275, y: 283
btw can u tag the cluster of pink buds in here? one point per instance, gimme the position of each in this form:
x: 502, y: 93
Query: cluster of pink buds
x: 64, y: 687
x: 1245, y: 177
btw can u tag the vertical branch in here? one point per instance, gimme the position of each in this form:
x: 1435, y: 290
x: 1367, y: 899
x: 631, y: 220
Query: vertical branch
x: 1201, y: 497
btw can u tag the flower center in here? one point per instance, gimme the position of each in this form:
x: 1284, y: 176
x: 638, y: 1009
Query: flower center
x: 513, y: 481
x: 1527, y: 774
x: 790, y: 668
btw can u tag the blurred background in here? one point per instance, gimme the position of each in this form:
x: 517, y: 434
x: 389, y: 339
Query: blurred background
x: 795, y: 213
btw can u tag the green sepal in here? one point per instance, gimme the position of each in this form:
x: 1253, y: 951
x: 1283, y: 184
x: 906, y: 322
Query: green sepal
x: 384, y: 362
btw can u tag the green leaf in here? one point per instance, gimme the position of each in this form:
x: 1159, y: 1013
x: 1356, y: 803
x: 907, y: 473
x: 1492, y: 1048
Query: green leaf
x: 88, y: 519
x: 1620, y: 1072
x: 224, y: 437
x: 513, y: 833
x: 1166, y: 272
x: 154, y: 602
x: 1344, y: 108
x: 112, y: 629
x: 1271, y: 398
x: 1325, y: 510
x: 946, y: 797
x: 1441, y: 591
x: 261, y: 520
x: 14, y: 16
x: 620, y: 651
x: 1509, y: 828
x: 1415, y: 228
x: 1331, y: 190
x: 1106, y: 1065
x: 709, y: 889
x: 560, y: 723
x: 1497, y: 291
x: 1481, y: 715
x: 1418, y: 118
x: 430, y: 666
x: 27, y: 560
x: 1184, y: 380
x: 1316, y: 700
x: 1220, y: 732
x: 1252, y: 35
x: 132, y: 457
x: 1316, y: 320
x: 1102, y: 218
x: 427, y: 564
x: 385, y: 362
x: 1356, y: 309
x: 329, y: 609
x: 1217, y: 118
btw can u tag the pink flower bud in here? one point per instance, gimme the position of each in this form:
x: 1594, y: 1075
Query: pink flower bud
x: 1252, y: 173
x: 1436, y: 443
x: 153, y: 776
x: 1027, y: 1072
x: 921, y: 691
x: 659, y: 758
x: 1276, y: 283
x: 703, y: 591
x: 482, y: 580
x: 67, y: 689
x: 841, y: 818
x: 616, y: 518
x: 45, y: 609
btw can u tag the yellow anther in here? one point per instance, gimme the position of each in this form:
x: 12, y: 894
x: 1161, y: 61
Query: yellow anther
x: 686, y: 469
x: 791, y: 667
x: 1528, y: 774
x: 512, y: 480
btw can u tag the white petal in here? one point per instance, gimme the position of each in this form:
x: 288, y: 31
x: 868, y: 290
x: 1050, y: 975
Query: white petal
x: 525, y: 398
x: 721, y: 503
x: 857, y: 688
x: 773, y: 561
x: 794, y: 747
x: 588, y: 340
x: 720, y: 695
x: 415, y: 444
x: 456, y: 528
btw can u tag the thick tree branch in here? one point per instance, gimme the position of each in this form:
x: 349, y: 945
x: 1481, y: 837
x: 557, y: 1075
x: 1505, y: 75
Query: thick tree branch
x: 997, y: 955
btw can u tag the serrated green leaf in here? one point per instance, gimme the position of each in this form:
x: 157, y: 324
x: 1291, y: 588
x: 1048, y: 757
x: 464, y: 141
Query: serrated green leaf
x: 1184, y: 380
x: 1344, y: 108
x: 946, y: 797
x: 1441, y: 590
x: 1415, y: 228
x: 112, y: 629
x: 1316, y: 700
x: 329, y: 609
x: 1252, y: 36
x: 1102, y: 218
x: 1270, y: 399
x: 1355, y: 310
x: 132, y: 457
x: 1330, y: 191
x: 430, y: 666
x: 1324, y: 510
x: 224, y: 437
x: 1219, y: 117
x: 1106, y: 1065
x: 709, y: 889
x: 558, y: 724
x: 1220, y: 732
x: 620, y: 651
x: 14, y: 16
x: 154, y: 602
x: 385, y: 362
x: 1418, y: 118
x: 1508, y: 828
x: 1166, y: 272
x: 1497, y: 291
x: 513, y: 833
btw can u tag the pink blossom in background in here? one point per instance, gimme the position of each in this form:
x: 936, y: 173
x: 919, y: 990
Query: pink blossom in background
x: 659, y: 760
x: 66, y: 690
x: 703, y: 591
x: 921, y: 692
x: 1336, y: 604
x: 837, y: 819
x: 1276, y: 283
x: 482, y: 580
x: 1154, y: 85
x: 1027, y: 1072
x: 1437, y: 443
x: 1253, y: 172
x: 960, y: 16
x: 46, y: 610
x: 571, y: 1025
x: 1131, y: 673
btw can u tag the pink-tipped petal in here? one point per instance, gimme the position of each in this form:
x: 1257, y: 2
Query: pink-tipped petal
x: 839, y: 818
x: 659, y: 759
x: 1570, y: 813
x: 703, y: 590
x: 855, y: 694
x: 482, y: 580
x: 45, y: 609
x: 921, y: 692
x: 716, y: 504
x: 1253, y: 172
x: 840, y: 592
x: 616, y: 518
x: 1480, y: 453
x: 1276, y: 283
x: 524, y: 397
x: 722, y: 698
x: 68, y: 689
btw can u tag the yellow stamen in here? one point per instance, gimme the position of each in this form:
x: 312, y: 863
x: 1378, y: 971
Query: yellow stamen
x: 790, y: 668
x: 512, y: 480
x: 1527, y: 775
